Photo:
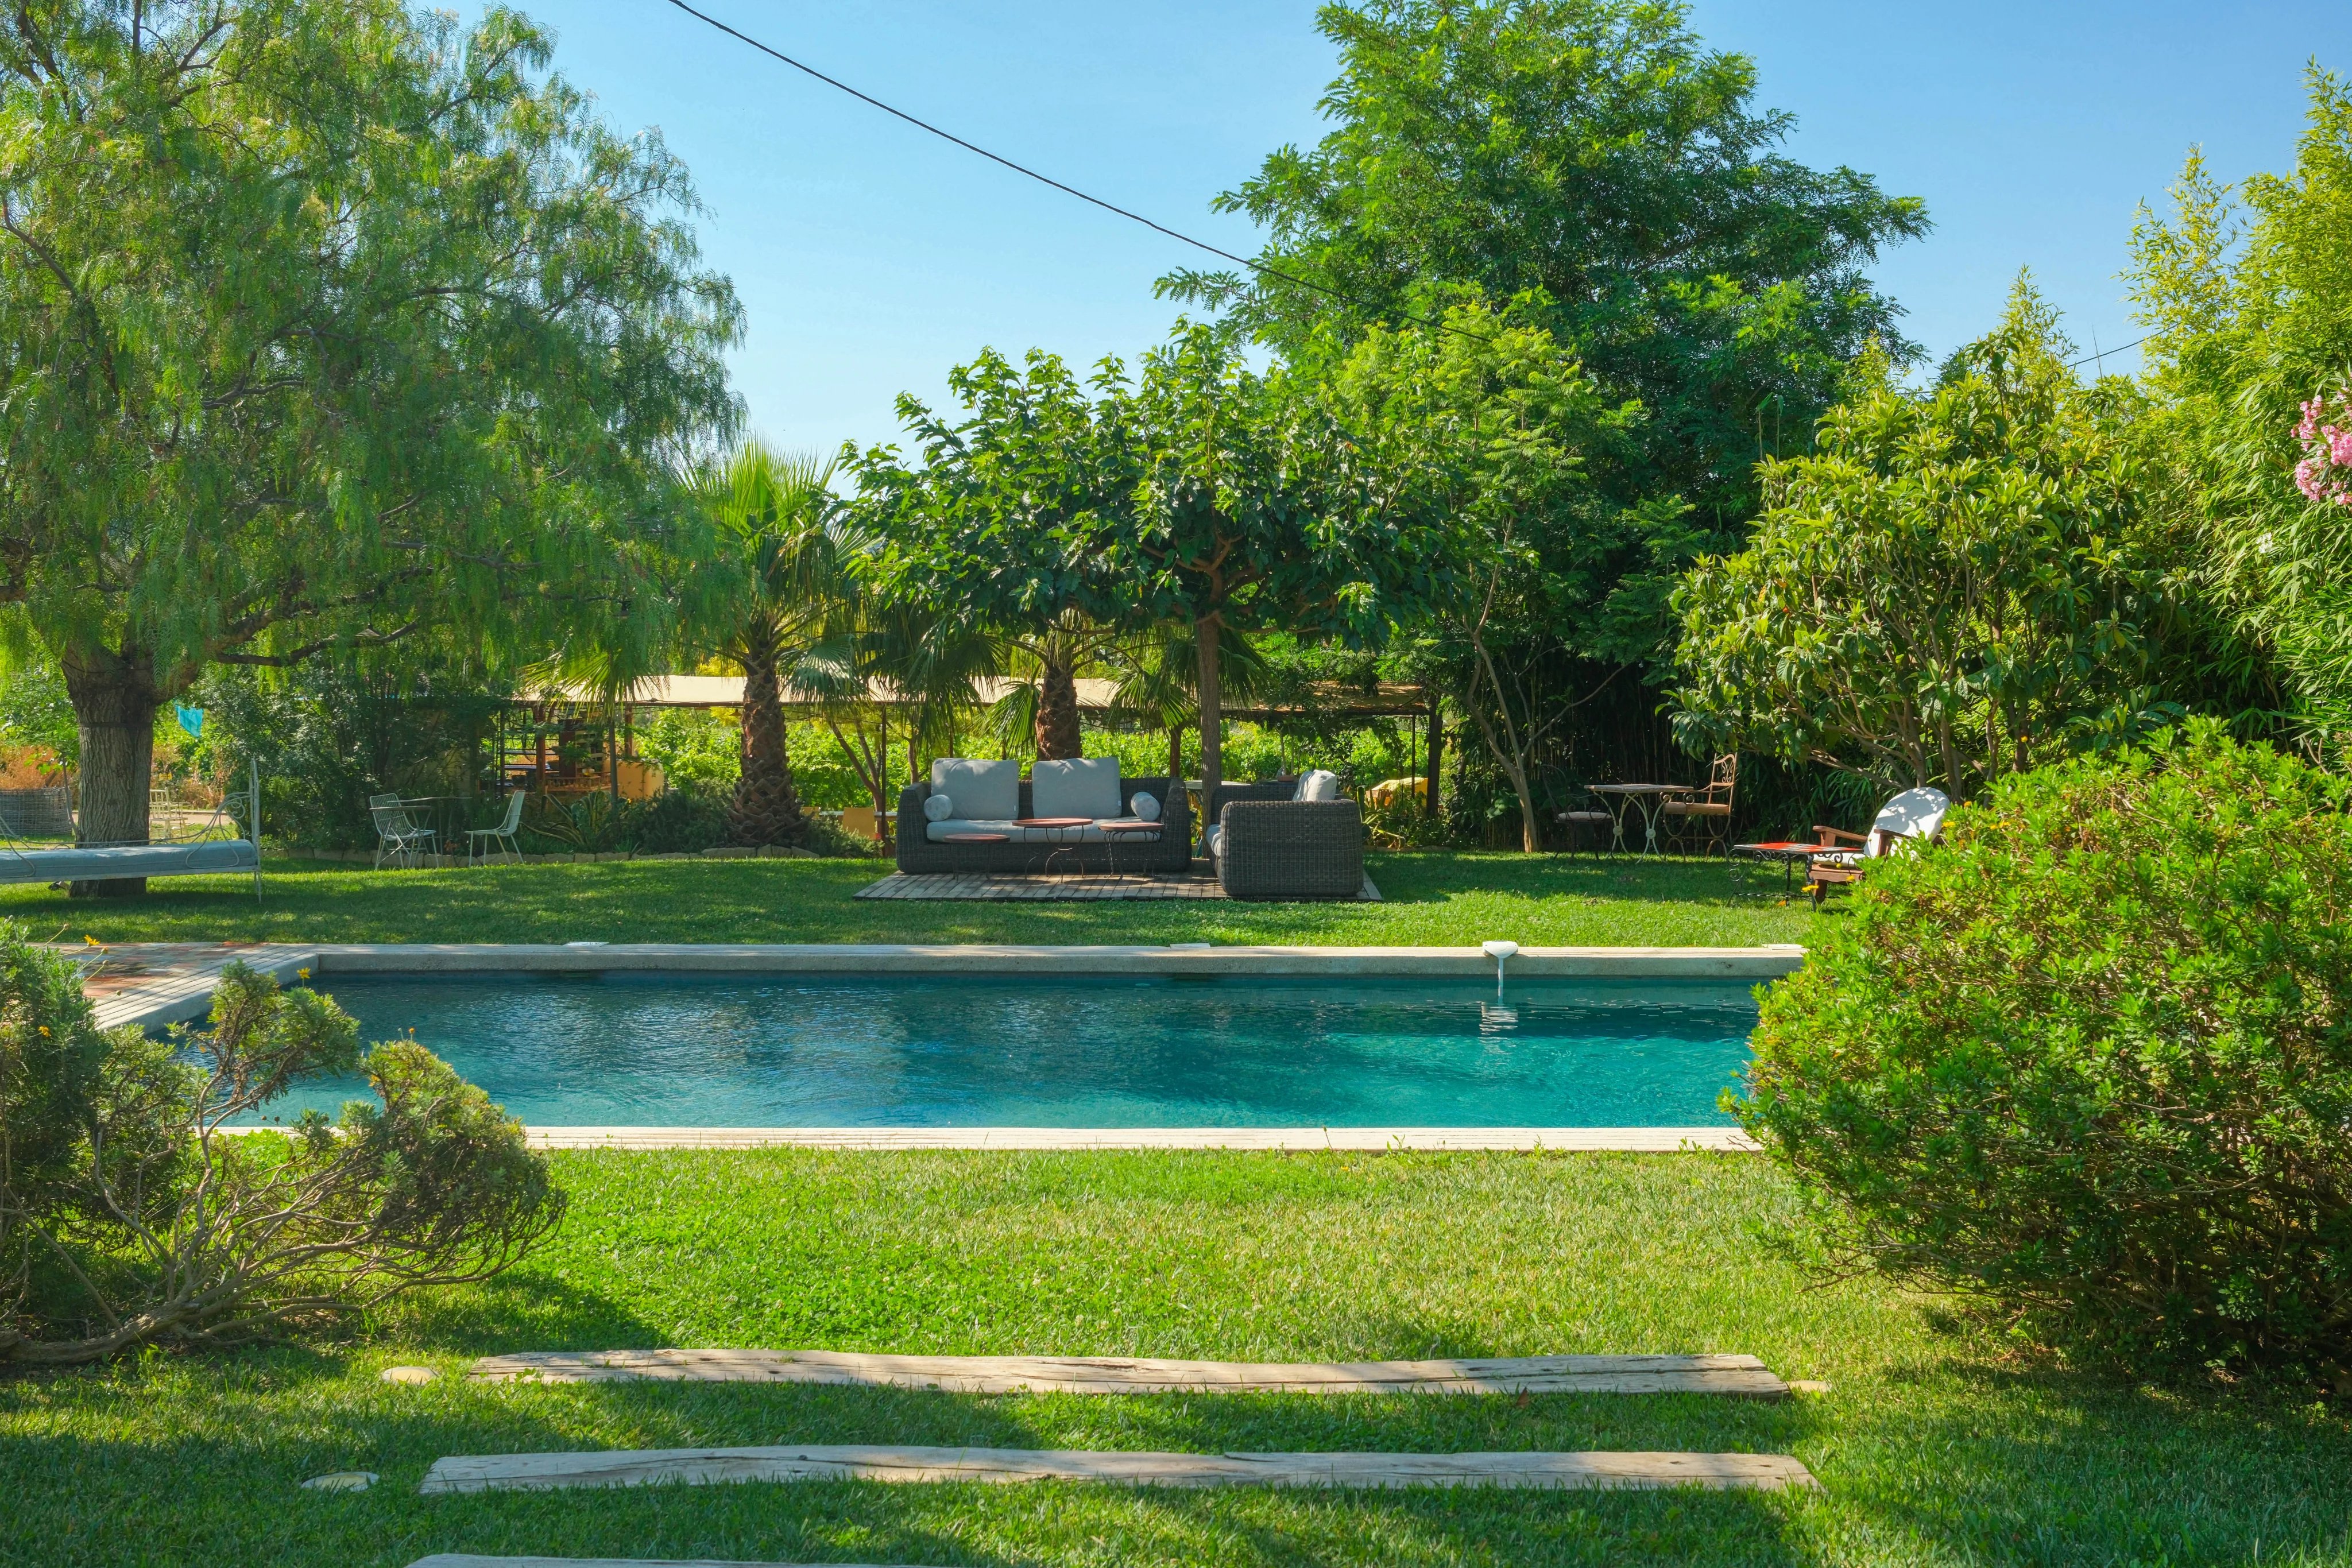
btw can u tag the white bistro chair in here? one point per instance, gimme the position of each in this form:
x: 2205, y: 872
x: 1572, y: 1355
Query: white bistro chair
x: 481, y: 843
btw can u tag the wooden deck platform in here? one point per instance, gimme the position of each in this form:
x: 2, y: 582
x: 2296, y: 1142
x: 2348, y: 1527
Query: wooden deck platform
x: 152, y: 983
x: 1741, y: 1376
x: 861, y: 1462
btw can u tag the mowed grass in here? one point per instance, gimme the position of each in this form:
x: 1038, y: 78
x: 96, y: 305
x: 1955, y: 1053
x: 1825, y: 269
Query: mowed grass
x: 1429, y: 899
x: 1936, y: 1445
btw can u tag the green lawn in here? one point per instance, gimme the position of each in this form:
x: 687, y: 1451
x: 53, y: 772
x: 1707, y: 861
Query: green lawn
x: 1429, y: 900
x: 1936, y: 1445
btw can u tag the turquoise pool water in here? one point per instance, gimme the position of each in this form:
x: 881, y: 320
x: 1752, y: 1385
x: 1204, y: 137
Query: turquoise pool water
x: 818, y: 1050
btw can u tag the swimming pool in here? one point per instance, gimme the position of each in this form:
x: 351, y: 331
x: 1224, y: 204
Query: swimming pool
x: 831, y: 1050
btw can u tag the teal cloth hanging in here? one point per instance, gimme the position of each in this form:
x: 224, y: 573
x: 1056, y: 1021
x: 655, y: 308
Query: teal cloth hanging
x: 192, y: 719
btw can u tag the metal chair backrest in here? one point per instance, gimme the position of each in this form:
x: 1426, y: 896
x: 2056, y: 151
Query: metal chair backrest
x: 513, y: 818
x: 390, y: 816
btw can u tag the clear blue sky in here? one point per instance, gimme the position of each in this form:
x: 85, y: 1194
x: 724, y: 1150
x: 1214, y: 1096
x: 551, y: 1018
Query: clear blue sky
x: 870, y: 256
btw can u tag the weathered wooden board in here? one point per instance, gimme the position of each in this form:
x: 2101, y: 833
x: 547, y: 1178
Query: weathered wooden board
x: 1733, y: 1375
x: 468, y: 1560
x: 829, y: 1462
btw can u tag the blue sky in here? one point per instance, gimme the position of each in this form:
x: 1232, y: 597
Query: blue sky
x: 870, y: 258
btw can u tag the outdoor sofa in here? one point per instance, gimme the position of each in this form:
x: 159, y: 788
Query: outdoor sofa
x: 1282, y: 841
x: 983, y: 800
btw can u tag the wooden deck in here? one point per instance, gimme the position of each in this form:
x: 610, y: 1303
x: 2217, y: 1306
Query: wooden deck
x: 1013, y: 887
x: 1741, y: 1376
x: 840, y: 1462
x: 152, y: 983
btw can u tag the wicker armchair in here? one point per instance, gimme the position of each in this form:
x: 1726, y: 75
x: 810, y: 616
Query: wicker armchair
x: 1270, y: 846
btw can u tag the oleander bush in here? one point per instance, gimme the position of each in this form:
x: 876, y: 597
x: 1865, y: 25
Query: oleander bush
x: 128, y: 1216
x: 2088, y: 1060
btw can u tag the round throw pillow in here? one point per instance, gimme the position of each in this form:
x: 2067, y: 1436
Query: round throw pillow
x: 1145, y: 807
x: 938, y: 807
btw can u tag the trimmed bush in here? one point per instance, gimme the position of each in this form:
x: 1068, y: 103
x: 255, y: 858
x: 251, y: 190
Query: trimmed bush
x: 2088, y: 1059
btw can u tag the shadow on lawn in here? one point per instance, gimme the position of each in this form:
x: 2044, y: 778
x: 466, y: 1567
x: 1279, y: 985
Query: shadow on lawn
x: 2047, y: 1464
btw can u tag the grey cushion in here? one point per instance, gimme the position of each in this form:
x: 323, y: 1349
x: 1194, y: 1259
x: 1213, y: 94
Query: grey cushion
x: 1216, y: 840
x: 1080, y: 787
x: 937, y: 808
x: 982, y: 791
x: 1146, y: 806
x: 1319, y: 785
x: 939, y: 832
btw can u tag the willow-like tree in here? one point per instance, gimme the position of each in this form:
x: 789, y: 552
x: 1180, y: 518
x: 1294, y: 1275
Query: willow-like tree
x: 777, y: 516
x: 324, y: 324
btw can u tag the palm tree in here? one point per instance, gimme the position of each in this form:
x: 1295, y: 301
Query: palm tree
x: 777, y: 512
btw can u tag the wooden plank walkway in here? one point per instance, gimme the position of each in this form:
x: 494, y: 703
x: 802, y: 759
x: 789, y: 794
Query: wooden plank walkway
x: 839, y: 1462
x: 468, y: 1560
x: 152, y: 984
x: 1010, y: 887
x: 1741, y: 1376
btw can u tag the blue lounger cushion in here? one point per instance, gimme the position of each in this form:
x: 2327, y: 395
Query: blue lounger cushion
x: 68, y: 864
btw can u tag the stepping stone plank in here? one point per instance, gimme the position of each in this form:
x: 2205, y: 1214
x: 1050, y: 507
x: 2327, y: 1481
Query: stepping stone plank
x: 828, y: 1462
x: 468, y: 1560
x: 1732, y: 1375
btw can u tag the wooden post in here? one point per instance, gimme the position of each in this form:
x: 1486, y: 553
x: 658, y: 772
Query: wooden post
x: 1437, y: 748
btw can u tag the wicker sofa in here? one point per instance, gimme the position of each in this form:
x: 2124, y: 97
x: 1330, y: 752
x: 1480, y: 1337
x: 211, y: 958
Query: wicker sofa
x: 1170, y: 851
x: 1268, y: 844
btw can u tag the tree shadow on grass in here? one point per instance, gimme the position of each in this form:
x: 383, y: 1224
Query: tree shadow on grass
x: 518, y: 1310
x: 2044, y: 1465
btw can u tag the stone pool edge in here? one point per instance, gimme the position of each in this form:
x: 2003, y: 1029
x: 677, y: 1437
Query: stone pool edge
x: 184, y: 973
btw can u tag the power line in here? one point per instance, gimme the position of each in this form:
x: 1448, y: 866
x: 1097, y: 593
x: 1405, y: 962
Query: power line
x: 869, y: 99
x: 2102, y: 353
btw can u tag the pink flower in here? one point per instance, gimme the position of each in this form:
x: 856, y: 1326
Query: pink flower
x: 2308, y: 481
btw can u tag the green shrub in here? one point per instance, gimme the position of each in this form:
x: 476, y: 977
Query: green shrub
x: 681, y: 821
x: 128, y: 1217
x: 2088, y: 1060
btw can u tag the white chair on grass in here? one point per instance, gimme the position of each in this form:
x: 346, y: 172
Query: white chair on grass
x: 396, y: 838
x: 481, y: 843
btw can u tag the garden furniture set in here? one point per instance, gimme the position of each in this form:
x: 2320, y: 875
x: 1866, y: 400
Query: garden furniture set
x: 1683, y: 810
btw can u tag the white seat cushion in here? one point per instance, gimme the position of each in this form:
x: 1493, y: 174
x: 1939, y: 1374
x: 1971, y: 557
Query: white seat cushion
x: 1217, y: 838
x: 1319, y: 785
x: 1091, y: 833
x: 1079, y: 787
x: 982, y: 791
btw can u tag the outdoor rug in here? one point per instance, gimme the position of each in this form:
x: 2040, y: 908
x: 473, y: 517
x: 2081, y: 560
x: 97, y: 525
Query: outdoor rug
x: 1009, y: 887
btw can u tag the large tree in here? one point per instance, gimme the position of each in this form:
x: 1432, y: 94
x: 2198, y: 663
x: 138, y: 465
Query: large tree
x: 997, y: 521
x: 1593, y: 166
x: 325, y: 324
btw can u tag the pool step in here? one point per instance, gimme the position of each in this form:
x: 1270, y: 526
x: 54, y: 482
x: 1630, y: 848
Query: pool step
x: 837, y: 1462
x: 1730, y: 1374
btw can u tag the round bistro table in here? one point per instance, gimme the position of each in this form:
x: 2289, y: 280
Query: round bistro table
x: 1056, y: 825
x: 1646, y: 797
x: 1117, y: 833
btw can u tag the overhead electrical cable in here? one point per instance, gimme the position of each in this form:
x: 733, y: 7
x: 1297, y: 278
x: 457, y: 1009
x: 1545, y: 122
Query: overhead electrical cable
x: 1113, y: 207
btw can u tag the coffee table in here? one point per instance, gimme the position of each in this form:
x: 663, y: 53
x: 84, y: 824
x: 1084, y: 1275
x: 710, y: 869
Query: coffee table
x: 975, y: 838
x: 1056, y: 825
x: 1788, y: 852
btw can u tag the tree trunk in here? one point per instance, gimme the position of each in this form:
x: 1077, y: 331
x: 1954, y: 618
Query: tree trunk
x: 1175, y: 755
x: 1059, y: 737
x: 114, y: 702
x: 766, y: 808
x: 1213, y: 725
x: 1436, y: 751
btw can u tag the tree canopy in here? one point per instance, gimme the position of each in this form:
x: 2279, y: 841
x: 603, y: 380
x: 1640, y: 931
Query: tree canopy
x: 322, y: 326
x: 1961, y: 582
x: 1594, y: 161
